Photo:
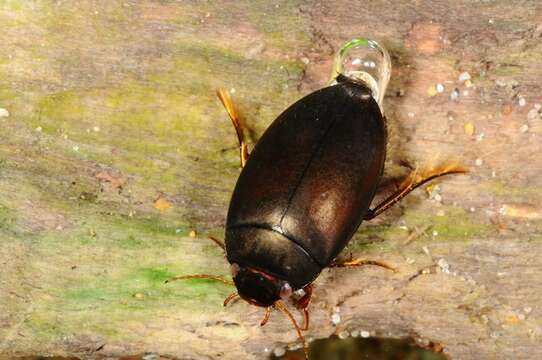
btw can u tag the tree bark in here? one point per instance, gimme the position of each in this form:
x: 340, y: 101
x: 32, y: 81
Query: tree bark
x: 117, y: 161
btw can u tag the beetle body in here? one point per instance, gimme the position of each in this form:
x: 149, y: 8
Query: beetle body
x: 308, y: 184
x: 305, y: 189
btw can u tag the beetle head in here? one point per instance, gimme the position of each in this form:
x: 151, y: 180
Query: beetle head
x: 258, y: 287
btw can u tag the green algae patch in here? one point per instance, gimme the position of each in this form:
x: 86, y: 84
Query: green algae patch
x: 121, y: 284
x: 144, y: 289
x: 63, y: 109
x: 8, y: 221
x: 280, y: 22
x: 454, y: 224
x: 144, y: 128
x: 376, y: 238
x: 280, y: 25
x: 148, y: 123
x: 44, y: 328
x: 155, y: 275
x: 100, y: 299
x: 139, y: 234
x: 508, y: 192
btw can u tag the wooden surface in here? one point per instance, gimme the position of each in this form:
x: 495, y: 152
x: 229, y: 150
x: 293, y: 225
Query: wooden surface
x: 115, y: 149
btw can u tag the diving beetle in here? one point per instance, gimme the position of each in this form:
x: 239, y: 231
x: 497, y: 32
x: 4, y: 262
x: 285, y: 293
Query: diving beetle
x: 309, y: 182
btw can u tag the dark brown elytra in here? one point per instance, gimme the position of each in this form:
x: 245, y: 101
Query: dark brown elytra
x: 303, y: 192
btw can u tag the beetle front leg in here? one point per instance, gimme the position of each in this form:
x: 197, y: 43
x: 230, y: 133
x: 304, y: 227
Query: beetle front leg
x: 237, y: 122
x: 303, y: 303
x: 413, y: 181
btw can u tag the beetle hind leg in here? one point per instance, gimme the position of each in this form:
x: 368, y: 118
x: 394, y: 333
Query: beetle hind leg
x: 237, y: 122
x: 413, y: 181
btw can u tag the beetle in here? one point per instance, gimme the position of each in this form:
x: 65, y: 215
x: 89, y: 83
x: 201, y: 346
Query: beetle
x: 306, y: 187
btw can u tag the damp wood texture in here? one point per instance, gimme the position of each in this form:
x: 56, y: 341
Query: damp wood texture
x: 117, y: 161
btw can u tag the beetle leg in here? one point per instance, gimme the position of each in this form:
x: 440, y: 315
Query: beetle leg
x: 280, y: 306
x: 237, y: 123
x: 217, y: 242
x: 230, y: 298
x: 413, y: 181
x: 362, y: 262
x: 266, y: 316
x: 303, y: 303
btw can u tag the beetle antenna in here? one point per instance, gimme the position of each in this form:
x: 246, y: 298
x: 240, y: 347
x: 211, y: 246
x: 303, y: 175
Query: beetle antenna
x: 266, y: 317
x: 230, y: 297
x: 201, y: 276
x: 279, y: 305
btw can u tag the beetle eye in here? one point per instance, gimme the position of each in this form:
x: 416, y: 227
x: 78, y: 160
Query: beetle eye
x: 285, y: 291
x: 234, y: 270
